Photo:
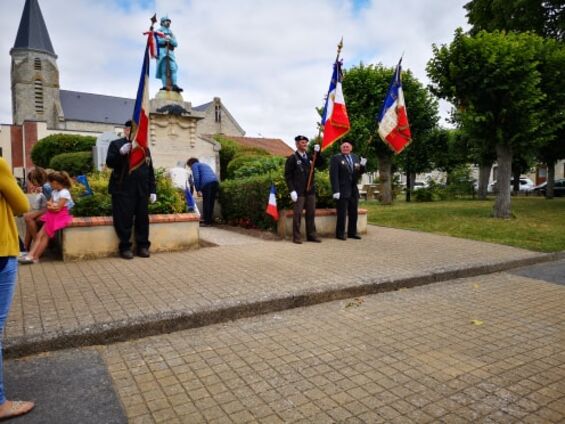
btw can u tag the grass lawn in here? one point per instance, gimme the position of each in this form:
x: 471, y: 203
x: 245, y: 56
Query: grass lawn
x: 538, y: 224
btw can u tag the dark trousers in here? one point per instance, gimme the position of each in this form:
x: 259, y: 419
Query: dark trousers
x: 346, y: 207
x: 309, y: 203
x: 209, y: 192
x: 124, y: 208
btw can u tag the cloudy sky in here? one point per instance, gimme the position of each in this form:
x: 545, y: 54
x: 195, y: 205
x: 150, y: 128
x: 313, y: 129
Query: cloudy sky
x: 269, y: 61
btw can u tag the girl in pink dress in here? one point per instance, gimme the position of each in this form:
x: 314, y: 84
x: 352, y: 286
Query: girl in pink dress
x: 57, y: 216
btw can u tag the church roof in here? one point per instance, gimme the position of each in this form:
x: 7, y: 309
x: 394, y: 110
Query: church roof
x: 274, y: 146
x: 202, y: 107
x: 88, y: 107
x: 32, y: 32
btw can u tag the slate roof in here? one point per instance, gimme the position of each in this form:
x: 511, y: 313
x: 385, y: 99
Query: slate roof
x: 32, y: 32
x: 88, y: 107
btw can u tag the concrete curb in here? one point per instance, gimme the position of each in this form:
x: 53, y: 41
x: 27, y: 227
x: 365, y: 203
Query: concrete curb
x: 168, y: 322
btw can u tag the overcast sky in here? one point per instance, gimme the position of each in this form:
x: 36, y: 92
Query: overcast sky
x: 269, y: 61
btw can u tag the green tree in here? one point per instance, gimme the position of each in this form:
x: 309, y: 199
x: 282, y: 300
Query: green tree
x: 364, y: 89
x: 544, y: 17
x: 493, y: 81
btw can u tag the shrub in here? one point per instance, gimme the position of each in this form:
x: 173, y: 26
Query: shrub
x: 230, y: 149
x: 244, y: 200
x: 77, y: 163
x: 262, y: 165
x: 169, y: 198
x: 55, y: 144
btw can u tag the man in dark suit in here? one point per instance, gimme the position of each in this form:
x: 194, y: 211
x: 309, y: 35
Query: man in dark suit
x: 131, y: 193
x: 296, y: 172
x: 345, y: 170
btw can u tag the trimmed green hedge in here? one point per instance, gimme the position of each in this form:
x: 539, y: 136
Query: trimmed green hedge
x: 231, y: 149
x: 48, y: 147
x: 169, y: 198
x: 77, y: 163
x: 244, y: 200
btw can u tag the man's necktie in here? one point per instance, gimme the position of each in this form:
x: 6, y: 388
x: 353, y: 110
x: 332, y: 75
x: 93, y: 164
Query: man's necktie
x: 349, y: 162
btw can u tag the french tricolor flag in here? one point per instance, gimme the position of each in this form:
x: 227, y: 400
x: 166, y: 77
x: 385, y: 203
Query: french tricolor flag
x: 393, y: 127
x: 140, y: 121
x: 272, y: 205
x: 334, y: 119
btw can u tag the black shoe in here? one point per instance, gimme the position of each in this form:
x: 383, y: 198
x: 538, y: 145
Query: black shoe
x: 126, y: 254
x: 315, y: 240
x: 296, y: 241
x: 340, y: 237
x: 355, y: 236
x: 143, y: 252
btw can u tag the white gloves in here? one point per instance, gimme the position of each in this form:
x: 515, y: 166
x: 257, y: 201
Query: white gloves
x: 363, y: 161
x: 152, y: 198
x: 293, y: 196
x: 316, y: 147
x: 336, y: 196
x: 124, y: 150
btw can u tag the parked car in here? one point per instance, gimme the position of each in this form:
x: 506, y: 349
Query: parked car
x: 525, y: 185
x: 558, y: 188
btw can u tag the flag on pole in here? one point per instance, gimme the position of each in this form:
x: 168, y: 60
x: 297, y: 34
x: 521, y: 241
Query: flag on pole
x: 272, y: 205
x: 81, y: 179
x: 140, y: 122
x: 334, y: 118
x: 393, y: 127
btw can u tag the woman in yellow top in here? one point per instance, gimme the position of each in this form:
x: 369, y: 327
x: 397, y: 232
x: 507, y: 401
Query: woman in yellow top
x: 13, y: 201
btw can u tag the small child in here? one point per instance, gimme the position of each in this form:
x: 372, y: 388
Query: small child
x: 37, y: 177
x: 57, y: 216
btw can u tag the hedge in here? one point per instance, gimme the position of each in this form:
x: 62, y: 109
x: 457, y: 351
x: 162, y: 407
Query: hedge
x: 48, y: 147
x: 230, y: 149
x: 244, y: 200
x: 77, y: 163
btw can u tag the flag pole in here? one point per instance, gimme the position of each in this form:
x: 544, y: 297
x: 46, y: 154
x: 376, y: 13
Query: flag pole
x: 315, y: 156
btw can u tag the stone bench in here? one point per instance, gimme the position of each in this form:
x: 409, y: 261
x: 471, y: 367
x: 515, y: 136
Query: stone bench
x: 94, y: 237
x: 325, y: 223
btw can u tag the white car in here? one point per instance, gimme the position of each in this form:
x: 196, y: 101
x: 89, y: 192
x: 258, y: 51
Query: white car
x: 525, y: 185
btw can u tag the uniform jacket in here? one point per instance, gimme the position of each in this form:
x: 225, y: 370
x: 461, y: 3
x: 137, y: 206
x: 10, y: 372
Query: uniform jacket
x: 343, y: 178
x: 140, y: 182
x: 296, y: 172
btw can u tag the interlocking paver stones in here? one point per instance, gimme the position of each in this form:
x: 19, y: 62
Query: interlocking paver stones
x: 480, y: 349
x: 57, y: 301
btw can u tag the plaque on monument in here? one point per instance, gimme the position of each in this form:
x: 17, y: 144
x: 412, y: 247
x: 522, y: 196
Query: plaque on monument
x: 100, y: 149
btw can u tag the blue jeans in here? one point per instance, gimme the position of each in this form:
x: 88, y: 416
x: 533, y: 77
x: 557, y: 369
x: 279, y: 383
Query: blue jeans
x: 8, y: 274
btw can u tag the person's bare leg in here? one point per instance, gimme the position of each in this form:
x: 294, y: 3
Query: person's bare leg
x: 31, y: 227
x: 15, y: 408
x: 40, y: 244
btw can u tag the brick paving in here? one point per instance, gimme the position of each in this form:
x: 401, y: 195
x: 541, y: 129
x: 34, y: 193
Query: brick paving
x: 56, y: 298
x: 481, y: 349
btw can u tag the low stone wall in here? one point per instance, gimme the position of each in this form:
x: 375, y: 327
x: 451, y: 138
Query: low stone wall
x: 325, y: 223
x: 94, y: 237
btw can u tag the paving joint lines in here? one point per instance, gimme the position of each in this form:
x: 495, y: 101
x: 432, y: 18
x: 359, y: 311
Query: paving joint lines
x: 167, y: 322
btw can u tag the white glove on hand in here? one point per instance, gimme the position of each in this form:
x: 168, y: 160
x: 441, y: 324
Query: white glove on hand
x: 293, y: 196
x: 316, y: 147
x: 336, y: 196
x: 124, y: 150
x: 363, y: 161
x: 152, y: 198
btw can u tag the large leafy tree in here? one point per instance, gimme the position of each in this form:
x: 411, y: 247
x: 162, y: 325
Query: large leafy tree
x: 494, y: 83
x: 544, y: 17
x: 365, y: 88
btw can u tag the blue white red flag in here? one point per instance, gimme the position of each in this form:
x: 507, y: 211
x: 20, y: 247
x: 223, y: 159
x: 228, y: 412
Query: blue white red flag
x: 334, y: 118
x: 393, y: 127
x: 81, y: 179
x: 190, y: 203
x: 140, y: 122
x: 272, y: 205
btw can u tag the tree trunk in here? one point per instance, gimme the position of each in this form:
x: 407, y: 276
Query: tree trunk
x: 385, y: 180
x: 484, y: 177
x: 502, y: 204
x: 516, y: 182
x: 550, y: 180
x: 412, y: 180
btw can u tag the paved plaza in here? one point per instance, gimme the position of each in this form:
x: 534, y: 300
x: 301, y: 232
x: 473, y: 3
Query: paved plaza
x: 487, y: 347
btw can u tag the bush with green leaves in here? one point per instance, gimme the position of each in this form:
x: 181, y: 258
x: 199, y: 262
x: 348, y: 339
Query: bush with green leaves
x: 77, y: 163
x: 260, y: 166
x: 169, y: 198
x: 244, y: 200
x: 48, y: 147
x: 231, y: 149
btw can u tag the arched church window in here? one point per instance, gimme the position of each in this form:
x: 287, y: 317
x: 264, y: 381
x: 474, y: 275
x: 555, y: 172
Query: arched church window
x: 38, y: 95
x: 37, y: 64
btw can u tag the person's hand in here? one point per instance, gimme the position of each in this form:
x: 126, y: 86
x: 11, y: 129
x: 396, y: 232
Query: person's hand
x: 293, y: 196
x: 199, y: 193
x: 363, y: 161
x: 125, y: 149
x: 316, y: 148
x: 336, y: 196
x: 152, y: 198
